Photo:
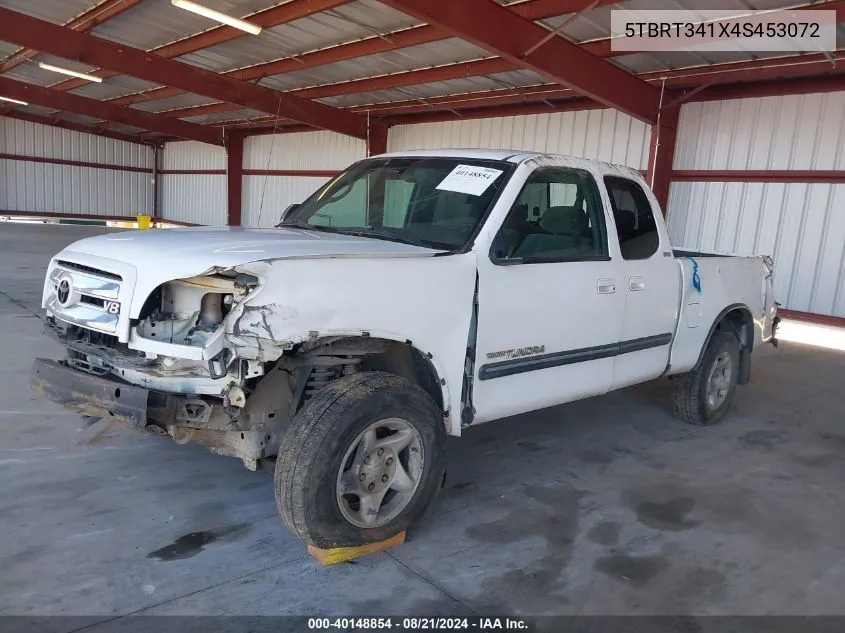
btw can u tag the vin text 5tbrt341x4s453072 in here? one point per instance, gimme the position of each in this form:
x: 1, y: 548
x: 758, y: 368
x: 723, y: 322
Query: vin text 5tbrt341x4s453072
x: 412, y: 296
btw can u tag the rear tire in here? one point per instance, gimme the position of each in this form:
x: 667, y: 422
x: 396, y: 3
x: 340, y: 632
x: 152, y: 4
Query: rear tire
x: 361, y: 461
x: 704, y: 395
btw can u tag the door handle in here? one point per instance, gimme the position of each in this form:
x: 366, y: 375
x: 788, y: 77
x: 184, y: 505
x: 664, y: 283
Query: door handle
x: 606, y: 286
x: 636, y: 283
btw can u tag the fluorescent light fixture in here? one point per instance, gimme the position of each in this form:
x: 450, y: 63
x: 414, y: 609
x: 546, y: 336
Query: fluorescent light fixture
x: 10, y: 100
x: 216, y: 15
x: 72, y: 73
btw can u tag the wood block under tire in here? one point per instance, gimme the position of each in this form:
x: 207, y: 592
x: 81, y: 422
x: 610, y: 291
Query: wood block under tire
x: 335, y: 555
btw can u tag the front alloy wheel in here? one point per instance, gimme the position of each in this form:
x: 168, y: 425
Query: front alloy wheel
x: 361, y: 461
x: 380, y: 473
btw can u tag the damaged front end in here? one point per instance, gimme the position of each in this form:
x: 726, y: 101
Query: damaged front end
x: 199, y: 361
x: 173, y: 374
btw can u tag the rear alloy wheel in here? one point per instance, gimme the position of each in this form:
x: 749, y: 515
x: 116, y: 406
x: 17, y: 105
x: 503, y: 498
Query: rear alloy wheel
x: 719, y: 381
x: 704, y: 395
x: 361, y: 461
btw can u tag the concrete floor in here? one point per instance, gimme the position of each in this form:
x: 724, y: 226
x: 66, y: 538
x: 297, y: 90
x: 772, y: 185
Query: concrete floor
x: 606, y: 506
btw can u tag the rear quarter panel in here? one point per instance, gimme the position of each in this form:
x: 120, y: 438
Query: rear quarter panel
x: 725, y: 282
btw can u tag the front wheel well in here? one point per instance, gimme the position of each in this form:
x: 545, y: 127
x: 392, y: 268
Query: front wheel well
x: 318, y: 362
x: 407, y: 361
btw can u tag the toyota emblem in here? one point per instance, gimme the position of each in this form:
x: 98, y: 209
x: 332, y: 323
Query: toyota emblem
x: 64, y: 292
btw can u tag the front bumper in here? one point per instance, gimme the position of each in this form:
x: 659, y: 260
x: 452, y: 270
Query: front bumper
x: 90, y: 395
x: 184, y: 418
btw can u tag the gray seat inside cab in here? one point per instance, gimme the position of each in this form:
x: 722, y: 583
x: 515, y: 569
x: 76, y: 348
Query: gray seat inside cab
x: 565, y: 234
x: 636, y: 243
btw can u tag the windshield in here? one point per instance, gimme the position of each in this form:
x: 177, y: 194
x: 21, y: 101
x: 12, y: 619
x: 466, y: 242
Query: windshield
x: 431, y: 202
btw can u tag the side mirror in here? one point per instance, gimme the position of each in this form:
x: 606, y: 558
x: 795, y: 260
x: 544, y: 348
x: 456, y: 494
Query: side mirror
x: 291, y: 207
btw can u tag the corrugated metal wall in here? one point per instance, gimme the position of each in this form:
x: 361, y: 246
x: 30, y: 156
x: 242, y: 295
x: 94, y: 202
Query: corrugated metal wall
x: 792, y: 132
x: 266, y: 196
x: 603, y: 134
x: 50, y: 188
x: 306, y: 150
x: 801, y: 225
x: 191, y: 197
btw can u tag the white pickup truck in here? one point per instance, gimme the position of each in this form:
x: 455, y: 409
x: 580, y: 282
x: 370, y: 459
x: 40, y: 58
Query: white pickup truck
x: 411, y: 296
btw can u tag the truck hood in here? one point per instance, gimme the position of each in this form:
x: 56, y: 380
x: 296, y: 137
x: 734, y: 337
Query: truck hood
x: 147, y: 259
x: 203, y: 247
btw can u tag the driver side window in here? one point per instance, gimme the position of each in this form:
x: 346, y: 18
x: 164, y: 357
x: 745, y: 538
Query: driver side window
x: 558, y: 216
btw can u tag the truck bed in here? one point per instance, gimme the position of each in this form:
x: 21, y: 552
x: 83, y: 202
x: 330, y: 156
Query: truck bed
x: 711, y: 283
x: 686, y: 253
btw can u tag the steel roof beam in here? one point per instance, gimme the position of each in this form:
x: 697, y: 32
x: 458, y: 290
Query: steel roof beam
x: 76, y: 127
x: 489, y: 25
x: 812, y: 65
x: 105, y: 10
x: 792, y: 86
x: 68, y: 102
x: 68, y: 44
x: 736, y: 78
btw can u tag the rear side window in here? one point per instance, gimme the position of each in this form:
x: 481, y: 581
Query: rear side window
x: 635, y: 223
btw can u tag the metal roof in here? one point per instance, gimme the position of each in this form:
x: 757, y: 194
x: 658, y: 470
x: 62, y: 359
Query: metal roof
x: 37, y: 110
x: 30, y: 72
x: 55, y: 11
x: 411, y: 58
x: 516, y: 78
x: 236, y: 115
x: 114, y: 87
x: 154, y: 23
x: 355, y: 21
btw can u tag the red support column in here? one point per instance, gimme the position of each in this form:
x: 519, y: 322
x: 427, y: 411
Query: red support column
x: 661, y: 154
x: 377, y: 138
x: 234, y: 176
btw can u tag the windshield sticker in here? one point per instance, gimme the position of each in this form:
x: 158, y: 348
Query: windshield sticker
x: 469, y: 179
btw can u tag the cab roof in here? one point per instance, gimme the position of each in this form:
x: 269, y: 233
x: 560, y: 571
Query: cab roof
x: 510, y: 155
x: 514, y: 156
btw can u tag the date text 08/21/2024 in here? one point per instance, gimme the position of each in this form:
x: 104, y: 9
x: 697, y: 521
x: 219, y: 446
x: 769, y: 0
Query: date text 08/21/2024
x: 477, y: 623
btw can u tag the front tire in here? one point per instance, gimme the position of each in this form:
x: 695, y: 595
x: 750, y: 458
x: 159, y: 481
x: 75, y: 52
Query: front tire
x: 361, y: 461
x: 704, y: 395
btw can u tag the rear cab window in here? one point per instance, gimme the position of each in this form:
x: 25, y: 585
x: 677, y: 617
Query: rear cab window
x: 634, y: 218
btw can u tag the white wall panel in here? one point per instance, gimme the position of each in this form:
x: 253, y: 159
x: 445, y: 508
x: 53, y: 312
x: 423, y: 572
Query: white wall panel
x: 46, y: 188
x: 192, y: 155
x: 277, y: 193
x: 306, y: 150
x: 302, y: 151
x: 44, y: 141
x: 194, y: 198
x: 51, y: 188
x: 603, y: 134
x: 800, y: 225
x: 788, y: 132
